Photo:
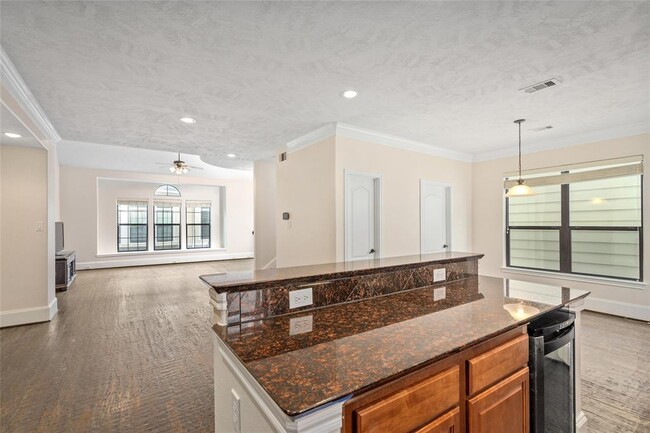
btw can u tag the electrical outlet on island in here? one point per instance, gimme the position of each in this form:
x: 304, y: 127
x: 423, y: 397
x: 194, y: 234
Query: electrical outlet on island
x: 301, y: 298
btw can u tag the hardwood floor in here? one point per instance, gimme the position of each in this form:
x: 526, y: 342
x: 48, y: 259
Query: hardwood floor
x: 131, y: 351
x: 615, y: 374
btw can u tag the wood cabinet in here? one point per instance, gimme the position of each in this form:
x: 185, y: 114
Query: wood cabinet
x: 483, y: 389
x: 502, y: 407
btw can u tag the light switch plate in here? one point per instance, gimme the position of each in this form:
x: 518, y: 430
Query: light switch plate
x: 301, y: 325
x: 439, y: 275
x: 439, y: 293
x: 300, y: 298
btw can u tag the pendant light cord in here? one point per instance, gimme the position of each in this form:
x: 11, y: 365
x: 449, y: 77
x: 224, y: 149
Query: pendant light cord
x: 519, y: 150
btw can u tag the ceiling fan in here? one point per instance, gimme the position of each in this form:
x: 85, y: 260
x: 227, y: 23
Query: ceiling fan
x: 179, y: 166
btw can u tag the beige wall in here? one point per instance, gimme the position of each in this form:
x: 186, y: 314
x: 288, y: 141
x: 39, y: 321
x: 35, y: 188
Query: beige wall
x: 488, y: 215
x: 305, y: 189
x: 265, y: 193
x: 23, y: 203
x: 79, y: 212
x: 402, y: 171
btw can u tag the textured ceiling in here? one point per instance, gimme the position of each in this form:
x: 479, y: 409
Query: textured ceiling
x: 258, y: 74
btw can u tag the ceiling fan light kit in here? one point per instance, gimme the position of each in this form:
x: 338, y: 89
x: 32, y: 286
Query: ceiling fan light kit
x: 520, y: 190
x: 179, y: 166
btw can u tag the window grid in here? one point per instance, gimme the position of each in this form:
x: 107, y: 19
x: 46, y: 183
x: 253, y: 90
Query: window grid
x: 629, y: 248
x: 167, y: 191
x: 132, y: 226
x: 167, y: 226
x: 197, y: 230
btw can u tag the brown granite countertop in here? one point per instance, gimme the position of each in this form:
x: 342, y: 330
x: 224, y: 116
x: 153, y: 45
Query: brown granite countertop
x: 250, y: 280
x: 307, y: 359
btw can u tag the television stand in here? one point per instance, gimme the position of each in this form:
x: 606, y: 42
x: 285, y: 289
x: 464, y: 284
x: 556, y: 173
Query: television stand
x: 66, y: 269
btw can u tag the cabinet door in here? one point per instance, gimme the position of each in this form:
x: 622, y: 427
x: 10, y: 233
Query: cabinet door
x: 501, y: 408
x: 447, y: 423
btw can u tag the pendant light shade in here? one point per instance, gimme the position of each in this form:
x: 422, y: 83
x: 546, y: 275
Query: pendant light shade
x: 520, y: 190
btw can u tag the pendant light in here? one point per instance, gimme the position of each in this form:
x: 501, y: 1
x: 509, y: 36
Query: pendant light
x: 520, y: 190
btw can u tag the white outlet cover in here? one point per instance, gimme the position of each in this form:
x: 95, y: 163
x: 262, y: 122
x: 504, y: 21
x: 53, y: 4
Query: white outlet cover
x: 439, y: 275
x: 301, y: 298
x: 439, y: 293
x: 301, y: 325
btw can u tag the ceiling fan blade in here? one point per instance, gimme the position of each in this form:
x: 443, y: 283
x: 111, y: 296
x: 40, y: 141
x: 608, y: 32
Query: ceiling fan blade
x: 162, y: 163
x: 193, y: 167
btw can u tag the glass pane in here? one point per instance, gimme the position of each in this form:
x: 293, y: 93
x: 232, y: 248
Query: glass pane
x: 612, y: 202
x: 542, y: 209
x: 539, y: 249
x: 205, y: 215
x: 604, y: 252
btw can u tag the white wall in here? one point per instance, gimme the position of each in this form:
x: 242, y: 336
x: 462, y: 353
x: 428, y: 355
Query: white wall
x: 488, y: 220
x: 81, y: 213
x: 402, y: 171
x: 265, y: 192
x: 24, y: 280
x: 305, y: 189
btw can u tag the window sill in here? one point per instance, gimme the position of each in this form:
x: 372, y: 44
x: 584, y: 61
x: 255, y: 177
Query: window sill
x: 162, y: 252
x: 639, y: 285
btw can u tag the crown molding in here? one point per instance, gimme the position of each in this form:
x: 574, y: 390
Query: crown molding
x: 14, y: 84
x: 357, y: 133
x: 329, y: 130
x: 566, y: 141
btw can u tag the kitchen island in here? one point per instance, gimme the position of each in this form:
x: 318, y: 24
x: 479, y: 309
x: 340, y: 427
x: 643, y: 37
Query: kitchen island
x: 374, y: 338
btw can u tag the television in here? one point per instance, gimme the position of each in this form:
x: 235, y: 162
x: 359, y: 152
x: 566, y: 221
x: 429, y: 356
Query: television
x: 58, y: 230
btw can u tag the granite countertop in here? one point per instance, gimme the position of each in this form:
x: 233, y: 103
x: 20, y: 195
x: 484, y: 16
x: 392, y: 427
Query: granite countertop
x: 310, y: 358
x: 249, y: 280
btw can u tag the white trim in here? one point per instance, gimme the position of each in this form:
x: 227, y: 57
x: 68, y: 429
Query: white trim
x: 326, y: 419
x: 617, y: 308
x: 162, y: 260
x: 313, y: 137
x: 581, y: 423
x: 15, y: 84
x: 379, y: 210
x: 638, y: 285
x: 161, y: 252
x: 357, y: 133
x: 566, y: 141
x: 26, y: 316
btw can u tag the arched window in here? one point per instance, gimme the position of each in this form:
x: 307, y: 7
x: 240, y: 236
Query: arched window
x: 167, y: 191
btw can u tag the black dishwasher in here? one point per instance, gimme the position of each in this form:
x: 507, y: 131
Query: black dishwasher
x: 552, y: 373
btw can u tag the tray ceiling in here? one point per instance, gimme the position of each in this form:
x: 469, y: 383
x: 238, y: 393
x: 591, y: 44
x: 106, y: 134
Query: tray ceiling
x: 259, y: 74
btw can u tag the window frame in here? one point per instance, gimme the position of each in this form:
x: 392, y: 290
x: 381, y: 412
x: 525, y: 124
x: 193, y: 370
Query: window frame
x: 119, y: 225
x: 565, y: 235
x: 188, y: 224
x: 170, y: 225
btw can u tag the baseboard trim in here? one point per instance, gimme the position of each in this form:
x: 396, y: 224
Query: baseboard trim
x: 617, y: 308
x: 161, y: 260
x: 26, y: 316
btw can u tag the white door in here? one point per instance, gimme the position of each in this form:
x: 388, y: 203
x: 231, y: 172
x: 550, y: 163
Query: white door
x: 361, y: 216
x: 434, y: 217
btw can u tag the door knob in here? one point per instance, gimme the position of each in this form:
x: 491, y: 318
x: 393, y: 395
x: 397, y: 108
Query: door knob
x: 372, y: 251
x: 445, y: 246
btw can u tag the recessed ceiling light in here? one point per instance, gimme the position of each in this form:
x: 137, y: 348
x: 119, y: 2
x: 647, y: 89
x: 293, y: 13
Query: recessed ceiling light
x: 12, y: 135
x: 231, y: 155
x: 187, y: 120
x: 349, y: 94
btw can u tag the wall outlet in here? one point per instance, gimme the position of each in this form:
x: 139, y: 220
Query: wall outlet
x: 300, y: 298
x: 439, y: 275
x: 40, y: 226
x: 301, y: 325
x: 236, y: 411
x: 439, y: 293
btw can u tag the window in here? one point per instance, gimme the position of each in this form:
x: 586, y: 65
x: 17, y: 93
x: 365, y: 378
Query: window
x: 167, y: 191
x: 132, y: 226
x: 197, y: 221
x: 167, y: 226
x: 583, y: 220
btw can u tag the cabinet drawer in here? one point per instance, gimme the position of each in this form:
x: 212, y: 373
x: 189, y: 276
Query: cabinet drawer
x: 447, y: 423
x: 412, y: 406
x: 497, y: 363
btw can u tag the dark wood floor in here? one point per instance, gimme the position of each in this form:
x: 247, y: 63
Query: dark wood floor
x: 131, y: 351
